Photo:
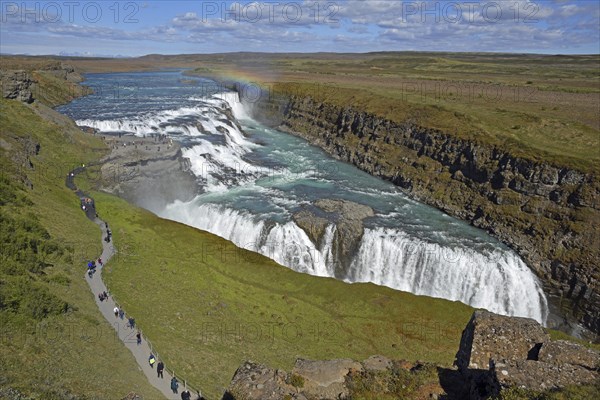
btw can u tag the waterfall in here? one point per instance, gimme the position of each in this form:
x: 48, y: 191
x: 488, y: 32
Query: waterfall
x: 495, y: 281
x: 402, y: 247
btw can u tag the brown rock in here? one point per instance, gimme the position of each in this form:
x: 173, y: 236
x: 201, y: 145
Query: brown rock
x: 540, y: 376
x: 377, y: 363
x: 254, y: 381
x: 561, y: 352
x: 489, y: 336
x: 325, y: 379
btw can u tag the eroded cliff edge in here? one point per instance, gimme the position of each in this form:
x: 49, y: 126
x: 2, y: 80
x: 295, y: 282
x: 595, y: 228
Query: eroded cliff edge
x: 547, y: 213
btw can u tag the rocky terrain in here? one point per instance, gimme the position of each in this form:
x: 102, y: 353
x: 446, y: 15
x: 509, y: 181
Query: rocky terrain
x: 16, y: 84
x: 496, y: 354
x: 547, y: 213
x: 348, y: 218
x: 149, y: 172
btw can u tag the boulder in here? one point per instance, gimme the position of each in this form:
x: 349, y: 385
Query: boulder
x: 489, y: 336
x: 539, y: 376
x: 498, y: 352
x: 254, y: 381
x: 560, y: 352
x: 377, y: 363
x: 325, y: 379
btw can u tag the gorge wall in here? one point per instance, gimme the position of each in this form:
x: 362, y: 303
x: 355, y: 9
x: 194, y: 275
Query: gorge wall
x: 549, y: 214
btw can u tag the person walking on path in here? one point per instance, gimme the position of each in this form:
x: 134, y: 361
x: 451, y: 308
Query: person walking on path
x: 116, y: 310
x: 186, y: 395
x: 159, y: 369
x: 138, y: 337
x: 121, y: 313
x: 174, y: 385
x: 151, y: 360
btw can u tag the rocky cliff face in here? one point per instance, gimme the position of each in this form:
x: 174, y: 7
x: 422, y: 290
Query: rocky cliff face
x: 22, y: 85
x: 548, y: 214
x: 16, y: 85
x: 135, y: 171
x: 348, y: 219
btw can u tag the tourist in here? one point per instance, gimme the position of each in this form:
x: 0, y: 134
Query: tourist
x: 121, y: 313
x: 131, y: 322
x: 138, y: 337
x: 159, y: 369
x: 186, y: 395
x: 116, y: 310
x: 151, y: 360
x: 174, y: 385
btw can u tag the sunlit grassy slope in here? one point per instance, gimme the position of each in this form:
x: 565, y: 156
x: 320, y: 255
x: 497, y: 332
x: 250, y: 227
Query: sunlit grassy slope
x: 54, y: 343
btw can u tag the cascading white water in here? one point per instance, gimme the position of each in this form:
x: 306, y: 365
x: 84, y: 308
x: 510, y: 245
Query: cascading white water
x: 388, y: 257
x: 285, y: 243
x: 495, y: 281
x: 399, y: 256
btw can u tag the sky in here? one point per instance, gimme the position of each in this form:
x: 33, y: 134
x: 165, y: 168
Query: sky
x: 135, y: 28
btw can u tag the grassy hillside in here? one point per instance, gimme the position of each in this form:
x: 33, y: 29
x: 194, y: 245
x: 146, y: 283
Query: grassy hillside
x: 54, y: 342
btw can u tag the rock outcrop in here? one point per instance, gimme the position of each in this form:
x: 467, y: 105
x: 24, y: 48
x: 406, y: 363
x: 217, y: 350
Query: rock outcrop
x: 308, y: 380
x: 330, y: 380
x: 145, y: 172
x: 23, y: 85
x: 498, y: 352
x: 16, y: 85
x: 348, y: 218
x: 547, y: 213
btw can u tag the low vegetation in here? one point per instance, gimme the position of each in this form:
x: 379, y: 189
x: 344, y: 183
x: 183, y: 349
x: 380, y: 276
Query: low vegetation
x: 54, y: 344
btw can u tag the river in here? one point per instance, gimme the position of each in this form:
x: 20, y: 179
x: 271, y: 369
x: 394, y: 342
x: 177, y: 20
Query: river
x: 252, y: 179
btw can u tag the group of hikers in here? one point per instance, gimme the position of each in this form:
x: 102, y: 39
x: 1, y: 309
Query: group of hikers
x: 119, y: 313
x: 160, y: 367
x: 92, y: 266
